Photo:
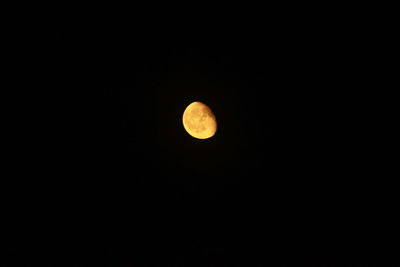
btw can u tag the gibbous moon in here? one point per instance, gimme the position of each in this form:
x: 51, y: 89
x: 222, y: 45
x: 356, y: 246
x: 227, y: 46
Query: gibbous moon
x: 199, y: 121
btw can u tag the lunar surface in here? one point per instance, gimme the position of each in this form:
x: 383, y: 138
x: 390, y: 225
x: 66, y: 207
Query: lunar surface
x: 199, y: 121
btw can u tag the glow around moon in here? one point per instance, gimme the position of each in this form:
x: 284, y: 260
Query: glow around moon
x: 199, y: 121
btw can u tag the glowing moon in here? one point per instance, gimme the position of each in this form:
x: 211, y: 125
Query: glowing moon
x: 199, y: 121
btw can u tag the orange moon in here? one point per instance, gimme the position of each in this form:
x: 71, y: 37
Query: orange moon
x: 199, y: 121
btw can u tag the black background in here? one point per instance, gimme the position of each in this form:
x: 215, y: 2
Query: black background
x: 121, y: 180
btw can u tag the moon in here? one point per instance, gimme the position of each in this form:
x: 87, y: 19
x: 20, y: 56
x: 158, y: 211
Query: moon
x: 199, y: 121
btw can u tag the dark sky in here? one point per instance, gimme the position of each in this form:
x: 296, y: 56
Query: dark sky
x: 126, y: 183
x: 248, y: 190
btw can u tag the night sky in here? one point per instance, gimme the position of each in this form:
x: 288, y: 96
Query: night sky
x: 125, y: 183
